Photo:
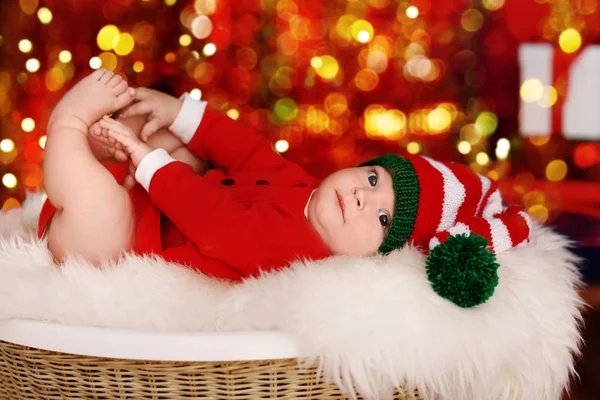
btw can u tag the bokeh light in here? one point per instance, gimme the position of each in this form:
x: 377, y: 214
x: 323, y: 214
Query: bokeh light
x: 25, y: 45
x: 413, y: 147
x: 185, y: 40
x: 502, y: 149
x: 125, y: 44
x: 569, y: 40
x: 28, y: 124
x: 556, y: 170
x: 471, y: 20
x: 42, y: 142
x: 201, y: 27
x: 282, y: 146
x: 482, y: 158
x: 44, y: 15
x: 95, y: 62
x: 138, y: 66
x: 362, y: 31
x: 196, y: 94
x: 412, y: 12
x: 32, y: 65
x: 531, y: 90
x: 493, y: 5
x: 328, y: 67
x: 9, y: 180
x: 65, y: 56
x: 108, y: 37
x: 7, y: 145
x: 209, y: 49
x: 585, y: 156
x: 464, y: 147
x: 487, y: 122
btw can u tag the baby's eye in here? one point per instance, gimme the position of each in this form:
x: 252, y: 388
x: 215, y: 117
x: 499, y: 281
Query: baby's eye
x: 372, y: 178
x: 384, y: 219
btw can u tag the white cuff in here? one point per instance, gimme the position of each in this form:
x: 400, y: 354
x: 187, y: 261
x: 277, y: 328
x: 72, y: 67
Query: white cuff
x: 187, y: 121
x: 151, y: 163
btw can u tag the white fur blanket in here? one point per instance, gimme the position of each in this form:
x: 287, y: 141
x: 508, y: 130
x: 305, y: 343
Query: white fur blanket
x: 372, y: 323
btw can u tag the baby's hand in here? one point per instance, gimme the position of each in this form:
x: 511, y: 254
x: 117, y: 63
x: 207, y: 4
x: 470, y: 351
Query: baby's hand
x: 162, y: 109
x: 134, y: 147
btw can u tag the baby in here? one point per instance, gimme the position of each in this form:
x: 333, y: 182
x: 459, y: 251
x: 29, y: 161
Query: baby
x: 255, y: 211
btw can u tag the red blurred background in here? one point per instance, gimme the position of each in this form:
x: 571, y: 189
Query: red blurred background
x: 332, y: 83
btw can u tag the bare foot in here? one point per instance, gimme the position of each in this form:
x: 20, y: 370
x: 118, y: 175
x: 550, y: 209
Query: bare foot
x: 103, y: 146
x: 100, y: 93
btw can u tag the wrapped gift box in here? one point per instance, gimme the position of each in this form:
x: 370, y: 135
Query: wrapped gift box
x: 576, y: 112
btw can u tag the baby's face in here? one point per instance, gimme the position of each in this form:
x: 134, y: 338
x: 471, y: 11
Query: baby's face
x: 352, y: 210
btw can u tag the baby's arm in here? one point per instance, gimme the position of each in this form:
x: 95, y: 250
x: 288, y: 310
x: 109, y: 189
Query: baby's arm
x: 207, y: 133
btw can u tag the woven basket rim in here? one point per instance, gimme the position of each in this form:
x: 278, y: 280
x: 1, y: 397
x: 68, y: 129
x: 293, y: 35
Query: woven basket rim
x: 150, y: 345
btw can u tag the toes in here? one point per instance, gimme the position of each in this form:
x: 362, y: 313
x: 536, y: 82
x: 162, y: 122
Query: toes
x: 96, y: 129
x: 120, y: 87
x: 115, y: 80
x: 97, y: 74
x: 124, y: 98
x: 106, y: 77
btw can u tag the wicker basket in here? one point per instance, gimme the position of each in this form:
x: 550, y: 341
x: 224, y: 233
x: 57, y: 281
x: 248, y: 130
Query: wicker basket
x: 30, y: 373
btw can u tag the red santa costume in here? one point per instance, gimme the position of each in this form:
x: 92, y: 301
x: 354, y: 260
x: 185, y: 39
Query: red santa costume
x: 245, y: 216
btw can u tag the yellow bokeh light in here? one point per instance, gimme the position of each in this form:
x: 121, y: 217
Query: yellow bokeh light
x: 482, y: 158
x: 209, y: 49
x: 25, y: 45
x: 29, y: 6
x: 196, y: 94
x: 464, y: 147
x: 493, y: 5
x: 55, y: 79
x: 185, y: 40
x: 329, y: 67
x: 361, y: 30
x: 380, y: 122
x: 336, y: 104
x: 65, y: 56
x: 138, y: 66
x: 108, y: 37
x: 502, y: 149
x: 548, y: 97
x: 205, y: 7
x: 366, y: 79
x: 487, y: 122
x: 363, y: 36
x: 412, y: 12
x: 556, y: 170
x: 9, y: 180
x: 539, y: 212
x: 7, y: 145
x: 44, y: 15
x: 95, y: 62
x: 539, y: 140
x: 471, y: 20
x: 32, y: 65
x: 531, y: 90
x: 233, y: 113
x: 10, y: 204
x: 413, y: 147
x: 170, y: 3
x: 42, y: 141
x: 439, y: 120
x: 109, y: 61
x: 316, y: 62
x: 28, y: 124
x: 282, y: 146
x: 569, y: 40
x: 125, y: 44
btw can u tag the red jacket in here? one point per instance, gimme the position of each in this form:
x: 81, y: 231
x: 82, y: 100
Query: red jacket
x: 245, y: 216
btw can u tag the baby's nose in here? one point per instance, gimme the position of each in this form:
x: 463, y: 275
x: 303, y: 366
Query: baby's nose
x: 359, y: 197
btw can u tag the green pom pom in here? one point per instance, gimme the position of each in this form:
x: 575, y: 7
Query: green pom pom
x: 463, y: 270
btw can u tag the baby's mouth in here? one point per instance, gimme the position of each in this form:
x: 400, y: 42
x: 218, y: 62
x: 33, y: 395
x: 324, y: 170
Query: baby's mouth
x: 342, y: 205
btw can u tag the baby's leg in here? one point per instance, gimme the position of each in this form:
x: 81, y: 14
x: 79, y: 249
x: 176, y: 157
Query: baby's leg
x: 94, y: 217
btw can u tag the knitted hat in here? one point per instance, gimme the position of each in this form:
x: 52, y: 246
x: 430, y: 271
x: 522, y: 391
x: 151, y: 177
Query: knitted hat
x: 457, y: 218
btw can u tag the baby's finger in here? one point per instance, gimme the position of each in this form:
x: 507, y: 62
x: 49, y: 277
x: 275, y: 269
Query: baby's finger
x: 151, y: 127
x: 120, y: 155
x: 96, y: 129
x: 142, y: 107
